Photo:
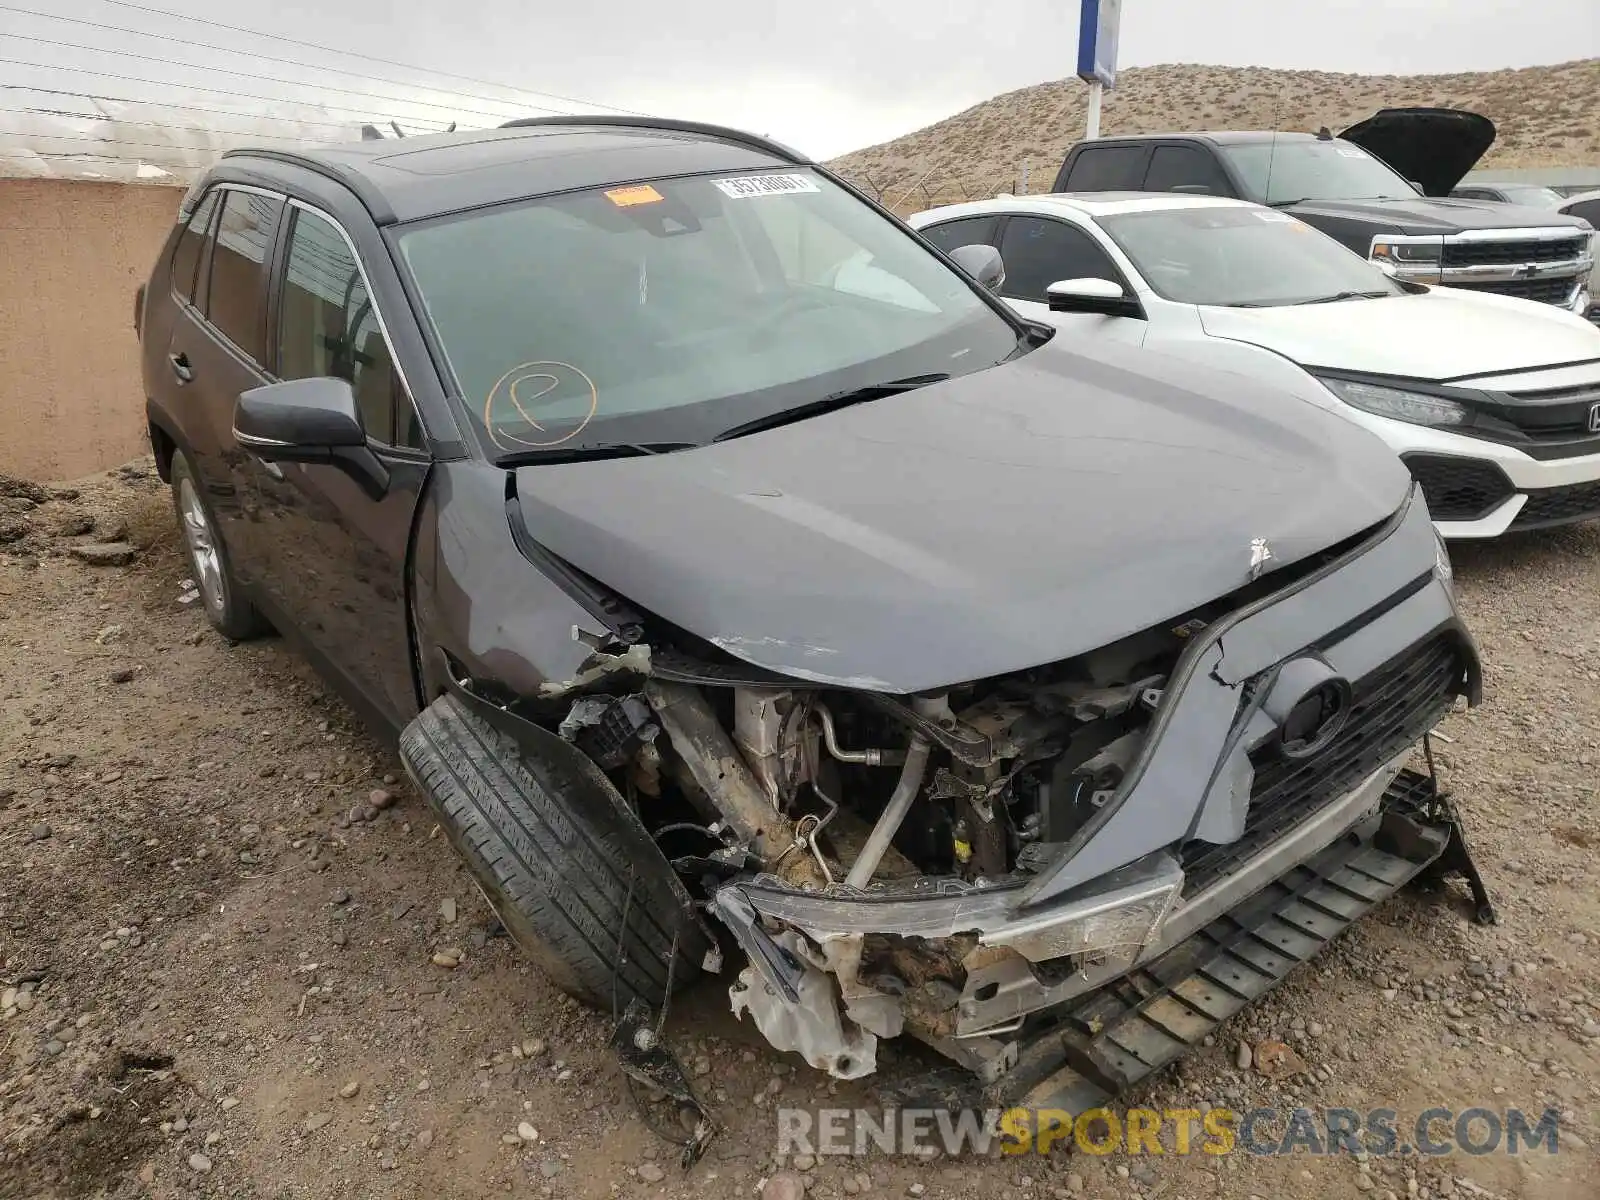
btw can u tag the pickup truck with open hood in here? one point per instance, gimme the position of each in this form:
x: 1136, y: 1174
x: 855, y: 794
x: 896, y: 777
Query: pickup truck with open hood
x: 1382, y: 187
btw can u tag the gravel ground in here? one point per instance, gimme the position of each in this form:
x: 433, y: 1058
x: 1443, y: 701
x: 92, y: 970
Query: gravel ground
x: 223, y: 914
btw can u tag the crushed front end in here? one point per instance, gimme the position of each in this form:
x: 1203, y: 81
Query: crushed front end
x: 1062, y: 878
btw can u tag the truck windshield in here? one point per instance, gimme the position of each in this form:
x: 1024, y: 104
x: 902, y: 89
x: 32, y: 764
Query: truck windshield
x: 1242, y: 256
x: 664, y: 313
x: 1286, y: 170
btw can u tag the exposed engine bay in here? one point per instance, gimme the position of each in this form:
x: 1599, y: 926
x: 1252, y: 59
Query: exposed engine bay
x: 808, y: 794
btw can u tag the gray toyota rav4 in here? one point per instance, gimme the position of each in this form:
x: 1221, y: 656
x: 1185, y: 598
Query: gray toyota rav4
x: 750, y: 592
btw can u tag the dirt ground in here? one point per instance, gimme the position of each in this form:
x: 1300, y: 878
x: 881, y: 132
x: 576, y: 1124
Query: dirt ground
x: 220, y: 906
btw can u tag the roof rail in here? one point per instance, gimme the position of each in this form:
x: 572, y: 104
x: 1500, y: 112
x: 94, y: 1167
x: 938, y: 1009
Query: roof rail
x: 377, y: 204
x: 753, y: 141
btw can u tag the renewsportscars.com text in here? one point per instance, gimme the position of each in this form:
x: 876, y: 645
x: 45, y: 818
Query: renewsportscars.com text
x: 1181, y: 1131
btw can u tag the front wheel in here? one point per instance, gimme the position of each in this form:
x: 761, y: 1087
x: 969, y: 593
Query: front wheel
x: 568, y: 869
x: 225, y: 605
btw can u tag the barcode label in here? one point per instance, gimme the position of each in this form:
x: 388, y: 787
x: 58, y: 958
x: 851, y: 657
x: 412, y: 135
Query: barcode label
x: 765, y: 185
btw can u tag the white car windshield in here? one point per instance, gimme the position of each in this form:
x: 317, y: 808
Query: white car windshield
x: 1242, y: 257
x: 1287, y: 170
x: 678, y: 310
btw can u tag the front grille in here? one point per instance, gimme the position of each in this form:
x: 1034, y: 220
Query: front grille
x: 1459, y: 489
x: 1545, y: 291
x: 1560, y: 505
x: 1553, y: 414
x: 1392, y: 708
x: 1484, y: 254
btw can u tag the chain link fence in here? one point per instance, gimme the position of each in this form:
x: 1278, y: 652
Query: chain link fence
x: 904, y: 194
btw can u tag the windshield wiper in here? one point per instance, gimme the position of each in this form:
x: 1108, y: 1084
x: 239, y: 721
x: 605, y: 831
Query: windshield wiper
x: 1288, y: 203
x: 590, y: 452
x: 813, y: 408
x: 1337, y: 296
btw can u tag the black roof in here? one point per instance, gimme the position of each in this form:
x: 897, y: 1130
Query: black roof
x: 404, y: 179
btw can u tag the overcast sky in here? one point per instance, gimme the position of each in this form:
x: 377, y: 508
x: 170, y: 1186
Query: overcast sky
x: 824, y: 77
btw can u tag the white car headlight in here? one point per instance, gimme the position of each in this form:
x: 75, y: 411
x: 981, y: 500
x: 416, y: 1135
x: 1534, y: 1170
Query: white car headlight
x: 1415, y: 408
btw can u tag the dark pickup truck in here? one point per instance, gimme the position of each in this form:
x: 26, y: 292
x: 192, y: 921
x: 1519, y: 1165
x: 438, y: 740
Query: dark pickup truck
x: 1381, y: 187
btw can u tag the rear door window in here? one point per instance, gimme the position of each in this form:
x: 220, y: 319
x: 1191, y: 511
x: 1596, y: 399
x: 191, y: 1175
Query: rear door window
x: 190, y: 251
x: 1039, y: 251
x: 1107, y: 169
x: 236, y: 304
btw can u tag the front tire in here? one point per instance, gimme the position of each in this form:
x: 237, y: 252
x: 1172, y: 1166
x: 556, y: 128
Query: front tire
x: 225, y: 606
x: 569, y: 870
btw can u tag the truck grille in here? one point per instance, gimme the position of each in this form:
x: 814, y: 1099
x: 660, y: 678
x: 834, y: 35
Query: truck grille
x: 1459, y: 489
x: 1545, y: 291
x: 1393, y: 707
x: 1483, y: 254
x: 1559, y: 505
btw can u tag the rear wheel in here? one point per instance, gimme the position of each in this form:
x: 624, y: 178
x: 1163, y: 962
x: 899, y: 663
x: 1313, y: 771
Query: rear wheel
x: 225, y: 605
x: 570, y: 872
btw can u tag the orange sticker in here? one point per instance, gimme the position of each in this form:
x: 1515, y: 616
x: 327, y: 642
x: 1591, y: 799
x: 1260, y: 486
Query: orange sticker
x: 627, y: 197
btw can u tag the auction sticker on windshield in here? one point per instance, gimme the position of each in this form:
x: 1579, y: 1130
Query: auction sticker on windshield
x: 627, y: 197
x: 744, y: 186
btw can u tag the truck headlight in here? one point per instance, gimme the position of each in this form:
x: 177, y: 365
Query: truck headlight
x: 1418, y: 259
x: 1415, y: 408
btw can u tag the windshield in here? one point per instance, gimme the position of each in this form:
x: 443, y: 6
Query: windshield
x: 672, y: 311
x: 1245, y: 257
x: 1286, y: 170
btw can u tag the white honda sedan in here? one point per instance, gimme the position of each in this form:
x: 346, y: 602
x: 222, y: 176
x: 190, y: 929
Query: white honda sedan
x: 1493, y: 402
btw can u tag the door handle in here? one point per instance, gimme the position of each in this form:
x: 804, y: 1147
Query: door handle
x: 180, y: 367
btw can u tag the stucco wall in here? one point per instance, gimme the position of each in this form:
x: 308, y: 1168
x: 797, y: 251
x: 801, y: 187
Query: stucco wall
x: 71, y: 255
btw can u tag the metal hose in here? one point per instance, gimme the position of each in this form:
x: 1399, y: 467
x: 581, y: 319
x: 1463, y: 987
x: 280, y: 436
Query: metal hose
x: 869, y: 757
x: 905, y: 791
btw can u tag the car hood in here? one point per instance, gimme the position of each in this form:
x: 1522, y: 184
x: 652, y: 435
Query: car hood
x: 1433, y: 147
x: 1442, y: 334
x: 1007, y: 518
x: 1429, y: 215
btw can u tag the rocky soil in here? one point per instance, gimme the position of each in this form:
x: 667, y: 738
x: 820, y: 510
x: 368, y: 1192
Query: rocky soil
x: 226, y: 926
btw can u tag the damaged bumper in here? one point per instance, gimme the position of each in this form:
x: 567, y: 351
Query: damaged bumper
x: 1213, y: 814
x: 1110, y: 1039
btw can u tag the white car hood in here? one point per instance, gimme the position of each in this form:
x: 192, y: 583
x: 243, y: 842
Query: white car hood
x: 1443, y: 334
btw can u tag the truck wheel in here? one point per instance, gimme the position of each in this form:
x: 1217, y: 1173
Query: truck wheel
x: 570, y: 871
x: 226, y: 608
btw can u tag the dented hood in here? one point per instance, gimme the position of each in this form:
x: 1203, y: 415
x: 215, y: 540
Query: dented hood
x: 1432, y: 147
x: 1007, y: 518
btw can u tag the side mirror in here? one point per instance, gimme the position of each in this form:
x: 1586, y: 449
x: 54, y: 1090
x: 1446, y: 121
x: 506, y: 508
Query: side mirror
x: 302, y: 420
x: 1098, y: 296
x: 309, y: 421
x: 983, y: 263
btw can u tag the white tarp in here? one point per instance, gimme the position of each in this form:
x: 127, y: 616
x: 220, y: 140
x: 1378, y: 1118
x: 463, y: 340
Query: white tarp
x: 170, y: 142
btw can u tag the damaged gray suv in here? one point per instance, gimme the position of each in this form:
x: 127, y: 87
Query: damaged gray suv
x: 751, y: 592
